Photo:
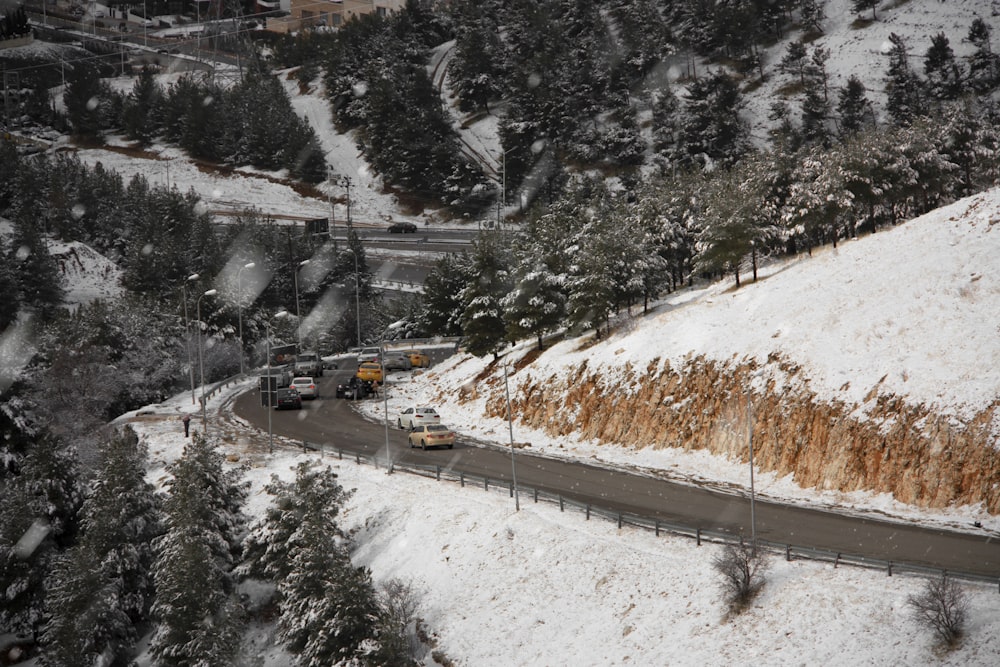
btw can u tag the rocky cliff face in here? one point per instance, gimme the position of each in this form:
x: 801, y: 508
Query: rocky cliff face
x: 885, y: 445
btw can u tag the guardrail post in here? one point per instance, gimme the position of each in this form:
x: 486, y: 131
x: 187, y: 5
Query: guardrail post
x: 656, y: 527
x: 461, y: 478
x: 836, y: 561
x: 512, y: 489
x: 788, y: 552
x: 437, y: 472
x: 304, y: 447
x: 619, y: 521
x: 357, y: 458
x: 697, y: 536
x: 561, y: 508
x: 486, y: 483
x: 588, y: 512
x: 340, y: 454
x: 890, y: 568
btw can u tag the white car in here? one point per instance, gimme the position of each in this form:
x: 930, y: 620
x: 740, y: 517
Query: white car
x: 368, y: 354
x: 397, y: 361
x: 417, y: 416
x: 306, y: 387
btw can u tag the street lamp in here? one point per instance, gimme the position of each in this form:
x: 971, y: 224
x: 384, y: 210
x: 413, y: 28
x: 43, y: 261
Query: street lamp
x: 753, y: 508
x: 357, y: 297
x: 298, y: 314
x: 187, y: 332
x: 510, y: 428
x: 270, y: 403
x: 201, y: 362
x: 239, y: 305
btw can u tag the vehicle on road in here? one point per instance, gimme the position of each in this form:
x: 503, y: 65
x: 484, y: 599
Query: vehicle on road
x: 410, y: 418
x: 355, y: 389
x: 402, y: 228
x: 368, y: 354
x: 426, y: 436
x: 418, y: 359
x: 371, y: 371
x: 287, y: 399
x: 397, y: 361
x: 309, y: 363
x: 306, y: 387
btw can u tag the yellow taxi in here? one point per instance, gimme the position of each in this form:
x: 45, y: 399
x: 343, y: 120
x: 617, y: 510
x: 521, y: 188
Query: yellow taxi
x: 418, y: 359
x: 370, y: 371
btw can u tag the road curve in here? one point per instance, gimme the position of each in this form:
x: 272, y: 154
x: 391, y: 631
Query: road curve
x: 336, y: 424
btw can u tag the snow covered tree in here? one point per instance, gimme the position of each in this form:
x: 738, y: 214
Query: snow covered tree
x: 102, y: 588
x: 482, y: 320
x: 38, y: 517
x: 711, y: 130
x: 536, y: 304
x: 944, y: 75
x: 817, y: 199
x: 984, y: 65
x: 84, y: 98
x: 904, y: 88
x: 477, y: 68
x: 39, y: 286
x: 271, y: 544
x: 141, y: 108
x: 794, y: 62
x: 864, y: 5
x: 199, y: 616
x: 812, y: 14
x: 442, y: 294
x: 853, y: 107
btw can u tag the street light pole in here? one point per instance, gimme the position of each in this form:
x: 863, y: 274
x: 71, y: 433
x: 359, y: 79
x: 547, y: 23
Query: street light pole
x: 357, y: 298
x: 270, y: 403
x: 510, y: 428
x: 201, y: 363
x: 239, y: 305
x: 298, y: 314
x: 187, y: 332
x: 753, y: 495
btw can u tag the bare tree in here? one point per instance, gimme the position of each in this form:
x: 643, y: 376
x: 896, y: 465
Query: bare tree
x: 742, y: 568
x: 942, y: 606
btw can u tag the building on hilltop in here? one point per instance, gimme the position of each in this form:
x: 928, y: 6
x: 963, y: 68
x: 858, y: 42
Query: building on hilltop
x: 304, y: 14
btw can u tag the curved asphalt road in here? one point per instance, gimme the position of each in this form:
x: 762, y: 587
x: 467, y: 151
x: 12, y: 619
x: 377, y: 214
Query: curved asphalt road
x: 334, y: 423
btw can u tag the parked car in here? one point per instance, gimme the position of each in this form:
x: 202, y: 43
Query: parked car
x: 432, y: 435
x: 410, y: 418
x: 371, y: 371
x: 368, y: 354
x: 306, y: 387
x: 418, y: 359
x: 397, y: 361
x: 402, y: 228
x: 287, y: 399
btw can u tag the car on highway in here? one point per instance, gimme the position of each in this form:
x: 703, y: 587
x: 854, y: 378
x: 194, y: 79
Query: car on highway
x: 412, y: 417
x: 354, y: 389
x: 418, y: 359
x: 368, y: 354
x: 397, y: 361
x: 402, y: 228
x: 306, y: 387
x: 371, y: 371
x: 287, y: 398
x: 426, y: 436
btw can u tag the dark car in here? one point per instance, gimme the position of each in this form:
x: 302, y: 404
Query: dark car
x: 288, y: 399
x: 355, y: 389
x: 402, y: 228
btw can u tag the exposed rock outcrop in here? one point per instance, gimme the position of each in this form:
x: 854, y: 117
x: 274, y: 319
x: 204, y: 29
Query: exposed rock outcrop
x: 886, y: 445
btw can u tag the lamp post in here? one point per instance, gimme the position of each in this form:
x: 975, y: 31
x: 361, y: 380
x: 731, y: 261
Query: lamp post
x: 753, y: 507
x: 270, y: 404
x: 357, y: 298
x: 510, y: 428
x: 298, y: 314
x: 239, y: 305
x: 187, y: 332
x: 201, y: 362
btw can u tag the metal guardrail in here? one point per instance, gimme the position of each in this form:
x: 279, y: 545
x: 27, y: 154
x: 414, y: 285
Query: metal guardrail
x: 622, y: 519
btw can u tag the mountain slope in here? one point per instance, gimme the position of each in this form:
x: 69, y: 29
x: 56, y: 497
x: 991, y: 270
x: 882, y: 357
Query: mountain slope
x: 874, y: 366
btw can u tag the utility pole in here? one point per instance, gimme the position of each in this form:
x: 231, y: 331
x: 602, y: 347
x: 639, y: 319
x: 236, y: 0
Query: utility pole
x: 333, y: 212
x: 347, y: 184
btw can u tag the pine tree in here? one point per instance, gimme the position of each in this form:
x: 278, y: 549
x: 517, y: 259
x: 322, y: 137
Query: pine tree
x: 794, y: 62
x: 812, y: 14
x: 10, y: 305
x: 85, y: 94
x: 944, y: 76
x: 38, y: 517
x: 863, y: 5
x: 482, y: 320
x: 904, y: 88
x: 984, y: 65
x: 140, y: 112
x: 38, y: 277
x: 199, y: 616
x: 852, y: 107
x: 536, y: 304
x: 711, y: 129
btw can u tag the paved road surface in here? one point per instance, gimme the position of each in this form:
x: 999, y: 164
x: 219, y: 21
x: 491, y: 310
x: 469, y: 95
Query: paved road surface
x: 333, y: 422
